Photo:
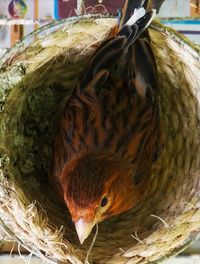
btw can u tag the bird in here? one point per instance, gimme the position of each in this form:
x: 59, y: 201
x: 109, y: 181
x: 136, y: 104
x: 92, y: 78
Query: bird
x: 107, y: 137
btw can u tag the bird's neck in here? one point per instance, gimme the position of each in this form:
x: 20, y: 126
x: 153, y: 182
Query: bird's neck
x: 130, y: 193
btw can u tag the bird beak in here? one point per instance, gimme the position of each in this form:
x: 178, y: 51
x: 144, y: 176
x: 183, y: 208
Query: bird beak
x: 83, y: 229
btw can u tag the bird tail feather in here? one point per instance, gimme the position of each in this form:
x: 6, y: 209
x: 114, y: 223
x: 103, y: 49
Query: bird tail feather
x: 130, y: 7
x: 111, y: 51
x: 137, y: 24
x: 138, y: 13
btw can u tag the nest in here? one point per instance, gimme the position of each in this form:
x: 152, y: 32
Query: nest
x: 36, y: 78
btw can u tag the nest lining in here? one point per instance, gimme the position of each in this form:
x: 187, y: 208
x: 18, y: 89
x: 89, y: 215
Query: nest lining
x: 36, y: 80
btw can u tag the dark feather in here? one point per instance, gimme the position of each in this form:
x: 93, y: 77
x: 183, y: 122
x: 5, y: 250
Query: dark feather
x: 130, y: 6
x: 115, y: 107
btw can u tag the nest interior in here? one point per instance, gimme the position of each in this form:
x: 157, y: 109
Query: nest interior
x: 37, y: 77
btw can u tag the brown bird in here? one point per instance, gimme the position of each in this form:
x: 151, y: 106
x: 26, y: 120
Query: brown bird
x: 107, y: 139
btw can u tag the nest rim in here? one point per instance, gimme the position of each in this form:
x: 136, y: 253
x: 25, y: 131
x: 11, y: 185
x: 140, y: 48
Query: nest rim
x: 22, y: 46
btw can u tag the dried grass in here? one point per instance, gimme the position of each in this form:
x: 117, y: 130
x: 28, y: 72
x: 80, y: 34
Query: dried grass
x: 36, y: 78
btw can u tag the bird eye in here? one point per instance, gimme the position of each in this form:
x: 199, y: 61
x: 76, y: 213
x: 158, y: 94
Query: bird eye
x: 104, y: 201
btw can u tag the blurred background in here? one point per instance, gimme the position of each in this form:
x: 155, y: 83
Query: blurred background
x: 179, y: 14
x: 20, y: 17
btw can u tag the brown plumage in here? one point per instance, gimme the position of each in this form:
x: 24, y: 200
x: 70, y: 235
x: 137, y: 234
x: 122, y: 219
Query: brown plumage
x: 107, y: 139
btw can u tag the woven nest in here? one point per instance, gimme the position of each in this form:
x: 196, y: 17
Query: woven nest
x: 36, y: 78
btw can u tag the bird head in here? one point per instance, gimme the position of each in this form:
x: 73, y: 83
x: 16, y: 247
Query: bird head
x: 96, y: 187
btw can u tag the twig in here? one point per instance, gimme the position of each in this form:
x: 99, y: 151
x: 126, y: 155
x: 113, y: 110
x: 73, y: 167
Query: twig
x: 91, y: 245
x: 80, y: 7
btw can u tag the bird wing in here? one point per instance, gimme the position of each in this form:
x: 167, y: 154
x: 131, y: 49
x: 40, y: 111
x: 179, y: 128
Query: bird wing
x: 114, y: 107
